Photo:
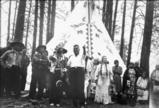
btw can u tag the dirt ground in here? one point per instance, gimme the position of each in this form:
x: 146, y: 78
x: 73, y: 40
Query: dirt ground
x: 25, y: 103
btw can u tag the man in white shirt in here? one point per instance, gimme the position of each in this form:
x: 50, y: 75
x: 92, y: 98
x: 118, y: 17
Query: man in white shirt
x: 76, y: 65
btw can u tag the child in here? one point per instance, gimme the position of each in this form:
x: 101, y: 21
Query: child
x: 131, y: 88
x: 91, y: 91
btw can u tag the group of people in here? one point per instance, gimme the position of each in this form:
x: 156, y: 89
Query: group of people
x: 79, y: 77
x: 58, y: 75
x: 111, y: 85
x: 136, y: 84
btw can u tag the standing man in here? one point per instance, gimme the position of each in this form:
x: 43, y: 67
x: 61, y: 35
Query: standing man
x: 76, y: 65
x: 11, y: 61
x: 40, y: 64
x: 59, y: 62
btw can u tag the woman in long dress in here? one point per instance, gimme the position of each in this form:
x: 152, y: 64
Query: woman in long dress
x: 117, y: 71
x: 103, y: 82
x: 142, y: 88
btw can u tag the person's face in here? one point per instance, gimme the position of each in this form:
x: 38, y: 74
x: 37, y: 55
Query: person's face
x: 131, y: 65
x: 116, y: 63
x: 42, y: 50
x: 76, y: 49
x: 59, y: 54
x: 144, y: 75
x: 104, y: 59
x: 96, y: 61
x: 136, y: 64
x: 24, y: 51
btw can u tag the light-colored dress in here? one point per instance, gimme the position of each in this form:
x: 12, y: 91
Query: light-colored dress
x: 142, y: 93
x: 103, y: 82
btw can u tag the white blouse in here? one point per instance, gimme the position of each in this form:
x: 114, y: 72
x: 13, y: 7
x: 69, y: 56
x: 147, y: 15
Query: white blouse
x: 142, y: 82
x: 76, y: 61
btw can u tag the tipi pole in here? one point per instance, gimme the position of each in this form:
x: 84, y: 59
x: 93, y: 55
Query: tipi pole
x: 89, y: 29
x: 88, y: 43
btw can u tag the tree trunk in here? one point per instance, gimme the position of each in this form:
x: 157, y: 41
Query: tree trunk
x: 108, y: 20
x: 28, y: 24
x: 35, y: 27
x: 14, y: 20
x: 104, y: 9
x: 114, y: 21
x: 42, y: 8
x: 72, y: 4
x: 146, y: 45
x: 20, y: 21
x: 53, y: 17
x: 131, y: 33
x: 9, y: 14
x: 48, y: 34
x: 123, y: 29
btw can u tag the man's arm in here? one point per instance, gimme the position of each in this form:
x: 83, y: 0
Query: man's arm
x: 4, y: 57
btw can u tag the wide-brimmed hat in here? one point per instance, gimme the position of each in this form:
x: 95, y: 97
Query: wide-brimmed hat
x: 40, y: 47
x: 18, y: 46
x: 61, y: 50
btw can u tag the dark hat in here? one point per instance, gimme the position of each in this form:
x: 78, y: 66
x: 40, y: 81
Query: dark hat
x: 18, y: 46
x: 61, y: 50
x: 40, y: 47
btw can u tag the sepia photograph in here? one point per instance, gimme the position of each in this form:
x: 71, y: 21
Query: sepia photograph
x: 79, y: 54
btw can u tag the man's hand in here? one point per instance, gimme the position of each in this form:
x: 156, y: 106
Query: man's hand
x: 84, y: 50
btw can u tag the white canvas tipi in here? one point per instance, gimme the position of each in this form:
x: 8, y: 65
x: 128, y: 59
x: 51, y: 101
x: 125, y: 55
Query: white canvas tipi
x: 85, y: 27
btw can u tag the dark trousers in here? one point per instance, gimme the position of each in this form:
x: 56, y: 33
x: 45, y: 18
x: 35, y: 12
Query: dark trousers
x: 131, y: 99
x: 2, y: 80
x: 77, y: 85
x: 55, y: 92
x: 13, y: 75
x: 38, y: 78
x: 23, y: 78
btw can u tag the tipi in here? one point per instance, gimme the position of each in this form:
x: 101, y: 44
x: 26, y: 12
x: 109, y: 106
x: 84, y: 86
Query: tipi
x: 85, y: 27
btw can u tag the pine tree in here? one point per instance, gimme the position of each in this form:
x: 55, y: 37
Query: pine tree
x: 114, y: 20
x: 42, y: 8
x: 28, y: 24
x: 35, y: 27
x: 20, y: 21
x: 9, y: 17
x: 146, y: 45
x: 48, y: 34
x: 123, y: 30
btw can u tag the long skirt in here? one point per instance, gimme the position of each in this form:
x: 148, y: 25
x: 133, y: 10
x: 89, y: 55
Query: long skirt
x: 117, y: 82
